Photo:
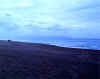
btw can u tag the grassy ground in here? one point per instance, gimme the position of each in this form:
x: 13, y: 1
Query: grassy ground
x: 19, y: 60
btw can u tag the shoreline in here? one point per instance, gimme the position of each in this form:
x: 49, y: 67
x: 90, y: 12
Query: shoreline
x: 22, y: 60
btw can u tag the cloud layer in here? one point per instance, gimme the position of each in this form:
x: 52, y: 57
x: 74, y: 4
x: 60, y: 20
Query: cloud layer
x: 68, y: 18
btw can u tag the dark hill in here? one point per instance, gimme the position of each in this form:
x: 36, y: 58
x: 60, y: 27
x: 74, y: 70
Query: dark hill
x: 19, y: 60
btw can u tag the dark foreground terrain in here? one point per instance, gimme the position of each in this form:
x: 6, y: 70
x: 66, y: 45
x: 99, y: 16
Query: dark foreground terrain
x: 39, y: 61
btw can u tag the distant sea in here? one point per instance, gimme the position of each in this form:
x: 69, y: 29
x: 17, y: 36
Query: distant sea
x: 73, y: 43
x: 79, y: 43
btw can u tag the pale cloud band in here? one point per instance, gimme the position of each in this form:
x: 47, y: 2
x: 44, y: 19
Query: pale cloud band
x: 70, y: 18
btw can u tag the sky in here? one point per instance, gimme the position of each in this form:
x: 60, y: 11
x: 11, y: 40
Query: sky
x: 27, y: 19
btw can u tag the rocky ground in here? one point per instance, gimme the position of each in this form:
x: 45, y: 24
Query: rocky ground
x: 19, y: 60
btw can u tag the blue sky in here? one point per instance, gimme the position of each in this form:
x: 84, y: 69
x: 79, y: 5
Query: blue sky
x: 36, y: 18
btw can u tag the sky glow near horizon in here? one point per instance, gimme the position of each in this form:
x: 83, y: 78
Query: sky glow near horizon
x: 32, y: 18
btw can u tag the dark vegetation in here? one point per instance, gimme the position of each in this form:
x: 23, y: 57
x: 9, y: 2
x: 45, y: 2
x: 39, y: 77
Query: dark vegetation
x: 19, y: 60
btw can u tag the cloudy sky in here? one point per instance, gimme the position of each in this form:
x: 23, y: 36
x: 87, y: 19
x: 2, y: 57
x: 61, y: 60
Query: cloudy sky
x: 26, y: 19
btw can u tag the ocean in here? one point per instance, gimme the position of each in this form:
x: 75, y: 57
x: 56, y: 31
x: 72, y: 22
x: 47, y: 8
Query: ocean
x: 78, y: 43
x: 72, y: 43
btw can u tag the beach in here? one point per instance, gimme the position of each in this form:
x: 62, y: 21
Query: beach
x: 22, y: 60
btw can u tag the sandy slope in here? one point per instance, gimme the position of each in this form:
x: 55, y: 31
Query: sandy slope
x: 19, y: 60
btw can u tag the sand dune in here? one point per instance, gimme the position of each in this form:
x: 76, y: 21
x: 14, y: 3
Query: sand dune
x: 20, y: 60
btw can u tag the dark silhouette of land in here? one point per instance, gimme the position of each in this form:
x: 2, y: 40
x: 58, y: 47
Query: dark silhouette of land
x: 20, y: 60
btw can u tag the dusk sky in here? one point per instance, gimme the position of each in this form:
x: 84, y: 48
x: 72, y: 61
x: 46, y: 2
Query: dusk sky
x: 34, y: 18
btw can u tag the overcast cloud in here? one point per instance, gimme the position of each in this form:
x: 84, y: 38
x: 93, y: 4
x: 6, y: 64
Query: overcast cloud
x: 32, y: 18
